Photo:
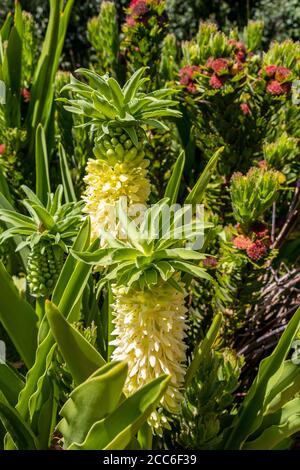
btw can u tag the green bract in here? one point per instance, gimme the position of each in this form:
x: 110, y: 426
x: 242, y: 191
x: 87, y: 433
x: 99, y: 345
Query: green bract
x: 151, y: 251
x: 106, y: 105
x: 48, y: 231
x: 252, y: 194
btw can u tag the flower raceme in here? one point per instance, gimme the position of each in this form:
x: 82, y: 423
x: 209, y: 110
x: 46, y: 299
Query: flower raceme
x: 106, y: 184
x: 117, y: 117
x: 149, y: 300
x: 150, y: 330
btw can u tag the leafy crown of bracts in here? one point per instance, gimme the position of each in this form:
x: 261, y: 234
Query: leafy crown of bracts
x: 105, y: 105
x: 150, y: 252
x: 55, y: 222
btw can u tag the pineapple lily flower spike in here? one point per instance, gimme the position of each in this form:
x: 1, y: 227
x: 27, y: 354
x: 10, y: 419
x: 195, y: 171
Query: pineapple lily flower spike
x: 48, y: 231
x: 117, y: 117
x: 149, y: 299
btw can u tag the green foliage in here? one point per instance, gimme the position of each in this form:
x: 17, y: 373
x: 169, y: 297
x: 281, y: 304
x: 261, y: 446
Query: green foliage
x: 103, y: 34
x: 254, y: 409
x: 231, y: 142
x: 209, y: 399
x: 168, y: 63
x: 143, y: 31
x: 252, y: 194
x: 253, y: 34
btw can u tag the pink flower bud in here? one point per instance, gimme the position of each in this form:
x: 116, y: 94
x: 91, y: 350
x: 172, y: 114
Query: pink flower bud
x: 246, y: 110
x: 215, y: 82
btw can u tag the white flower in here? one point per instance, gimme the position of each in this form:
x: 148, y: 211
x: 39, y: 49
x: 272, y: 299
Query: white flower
x: 150, y: 331
x: 106, y: 184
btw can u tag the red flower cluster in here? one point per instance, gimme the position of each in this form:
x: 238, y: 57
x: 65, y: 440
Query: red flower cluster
x: 242, y: 242
x: 245, y: 108
x: 255, y: 248
x: 276, y: 88
x: 260, y: 230
x: 216, y: 82
x: 223, y: 68
x: 277, y: 79
x: 26, y: 95
x: 187, y: 75
x: 2, y: 149
x: 210, y: 262
x: 138, y: 7
x: 219, y: 66
x: 239, y: 49
x: 139, y: 12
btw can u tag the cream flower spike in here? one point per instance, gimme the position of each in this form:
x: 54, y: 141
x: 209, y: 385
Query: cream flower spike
x: 149, y: 300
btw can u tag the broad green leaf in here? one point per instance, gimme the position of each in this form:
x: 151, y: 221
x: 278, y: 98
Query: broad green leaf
x: 18, y: 220
x: 91, y: 401
x: 18, y: 318
x: 277, y: 427
x: 286, y: 388
x: 180, y: 253
x: 252, y: 410
x: 18, y: 429
x: 11, y: 383
x: 81, y: 357
x: 6, y: 27
x: 117, y: 430
x: 116, y: 92
x: 133, y: 84
x: 45, y: 218
x: 192, y: 269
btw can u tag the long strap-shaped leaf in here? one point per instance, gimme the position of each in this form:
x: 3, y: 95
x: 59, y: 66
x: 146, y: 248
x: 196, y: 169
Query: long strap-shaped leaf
x: 41, y: 165
x: 198, y: 190
x: 277, y: 427
x: 66, y: 178
x: 251, y: 414
x: 173, y: 185
x: 42, y: 88
x: 117, y: 430
x: 92, y: 401
x: 81, y: 357
x: 18, y: 318
x: 11, y: 383
x: 12, y: 70
x: 15, y: 425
